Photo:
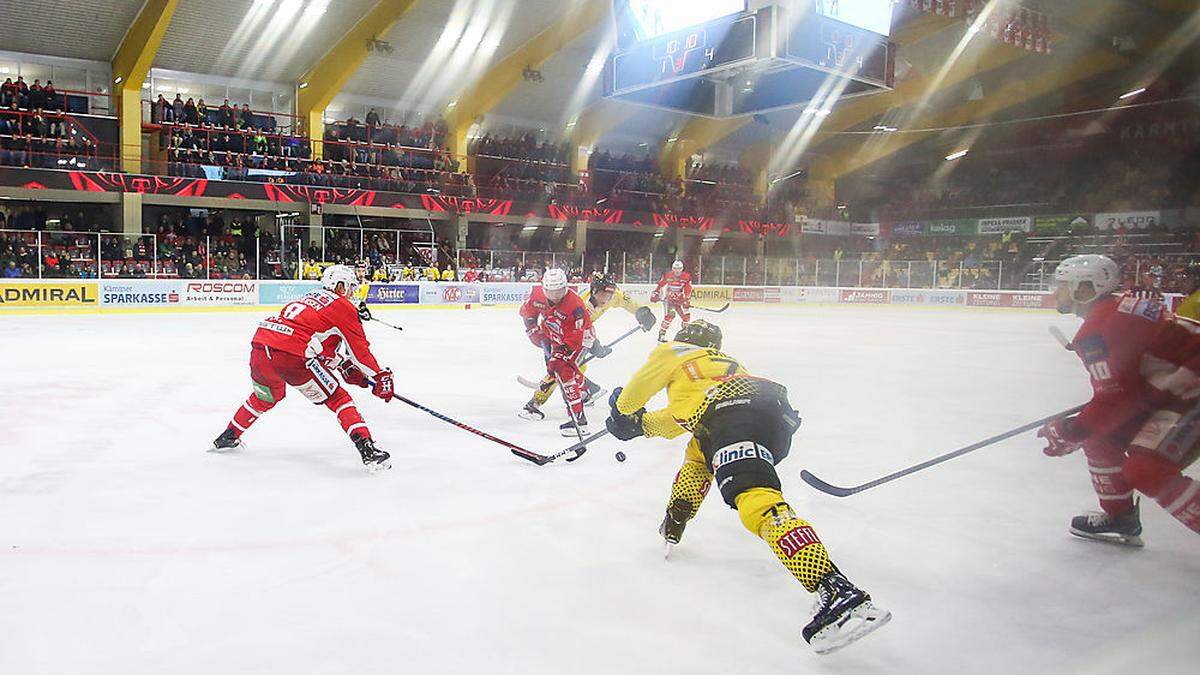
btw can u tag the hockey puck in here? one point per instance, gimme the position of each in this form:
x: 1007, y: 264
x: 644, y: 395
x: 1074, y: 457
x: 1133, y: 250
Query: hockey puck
x: 620, y: 456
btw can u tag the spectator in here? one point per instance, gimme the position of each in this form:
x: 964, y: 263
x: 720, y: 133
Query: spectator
x: 36, y: 98
x: 226, y: 115
x: 178, y: 109
x: 190, y: 115
x: 202, y: 113
x: 51, y: 97
x: 161, y: 112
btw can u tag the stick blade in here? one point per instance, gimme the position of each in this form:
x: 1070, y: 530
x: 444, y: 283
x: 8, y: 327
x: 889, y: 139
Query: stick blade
x: 525, y: 382
x: 822, y: 486
x: 540, y: 460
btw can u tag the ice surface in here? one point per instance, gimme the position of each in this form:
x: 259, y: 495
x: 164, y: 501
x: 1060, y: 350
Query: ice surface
x: 125, y: 548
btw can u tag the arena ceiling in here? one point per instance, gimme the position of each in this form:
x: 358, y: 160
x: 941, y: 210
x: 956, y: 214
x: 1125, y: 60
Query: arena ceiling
x: 441, y: 47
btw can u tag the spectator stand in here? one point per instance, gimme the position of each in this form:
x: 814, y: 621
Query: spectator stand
x: 304, y: 251
x: 51, y: 140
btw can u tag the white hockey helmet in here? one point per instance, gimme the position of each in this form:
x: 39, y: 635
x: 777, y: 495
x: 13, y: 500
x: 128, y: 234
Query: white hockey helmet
x: 340, y: 274
x: 1098, y: 270
x: 554, y: 284
x: 677, y: 265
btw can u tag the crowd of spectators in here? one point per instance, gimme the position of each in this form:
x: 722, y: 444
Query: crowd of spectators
x: 35, y: 133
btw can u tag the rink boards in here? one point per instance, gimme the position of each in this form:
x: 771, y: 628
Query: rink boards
x: 193, y: 294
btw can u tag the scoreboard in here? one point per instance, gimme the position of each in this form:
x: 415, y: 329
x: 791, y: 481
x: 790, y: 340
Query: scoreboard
x: 708, y: 47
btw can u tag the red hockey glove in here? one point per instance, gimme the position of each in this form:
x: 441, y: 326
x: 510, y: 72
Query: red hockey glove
x: 384, y: 386
x: 1062, y: 437
x: 536, y: 336
x: 352, y: 375
x: 655, y: 296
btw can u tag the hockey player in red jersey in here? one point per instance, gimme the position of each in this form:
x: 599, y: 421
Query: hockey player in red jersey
x: 557, y: 323
x: 311, y: 337
x: 675, y: 291
x: 1142, y: 426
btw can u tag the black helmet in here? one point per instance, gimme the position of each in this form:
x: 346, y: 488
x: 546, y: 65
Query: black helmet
x: 602, y: 282
x: 700, y: 333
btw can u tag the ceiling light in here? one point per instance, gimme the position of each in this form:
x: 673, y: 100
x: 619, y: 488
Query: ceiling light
x: 316, y: 8
x: 956, y: 155
x: 710, y: 239
x: 672, y: 139
x: 304, y: 85
x: 5, y: 70
x: 184, y: 90
x: 1131, y: 94
x: 118, y: 80
x: 658, y: 235
x: 529, y: 228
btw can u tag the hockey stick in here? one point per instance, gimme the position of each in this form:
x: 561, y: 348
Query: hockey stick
x: 389, y: 325
x: 581, y: 446
x: 537, y: 385
x: 714, y: 310
x: 847, y: 491
x: 1062, y: 338
x: 517, y: 450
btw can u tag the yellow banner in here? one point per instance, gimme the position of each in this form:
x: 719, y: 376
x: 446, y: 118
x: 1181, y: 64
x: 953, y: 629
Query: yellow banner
x: 68, y: 294
x: 723, y: 293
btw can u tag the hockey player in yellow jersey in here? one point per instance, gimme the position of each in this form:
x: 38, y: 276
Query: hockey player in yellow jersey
x: 741, y: 427
x: 1190, y: 307
x: 602, y: 295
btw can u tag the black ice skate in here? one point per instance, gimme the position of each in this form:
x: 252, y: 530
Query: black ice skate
x: 676, y: 518
x: 531, y: 411
x: 1125, y: 530
x: 592, y: 393
x: 228, y: 440
x: 843, y: 613
x: 574, y: 428
x: 372, y: 457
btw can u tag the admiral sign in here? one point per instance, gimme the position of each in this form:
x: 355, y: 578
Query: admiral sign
x: 47, y: 294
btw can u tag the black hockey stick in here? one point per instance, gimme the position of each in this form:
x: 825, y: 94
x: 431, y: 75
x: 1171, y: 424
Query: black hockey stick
x: 714, y: 310
x: 517, y: 450
x: 389, y: 325
x: 537, y: 385
x: 847, y: 491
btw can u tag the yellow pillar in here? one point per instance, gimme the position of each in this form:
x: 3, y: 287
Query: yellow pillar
x: 317, y: 87
x: 130, y: 66
x: 493, y: 86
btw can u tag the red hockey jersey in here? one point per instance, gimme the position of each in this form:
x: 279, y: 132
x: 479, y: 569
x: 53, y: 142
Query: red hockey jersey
x: 563, y: 323
x: 678, y: 287
x: 1140, y: 358
x: 319, y: 324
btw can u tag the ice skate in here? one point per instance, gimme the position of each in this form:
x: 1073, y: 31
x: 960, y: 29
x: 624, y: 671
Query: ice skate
x: 574, y: 428
x: 228, y: 440
x: 592, y: 393
x: 531, y: 411
x: 1124, y: 530
x: 842, y: 614
x: 372, y: 457
x: 676, y: 518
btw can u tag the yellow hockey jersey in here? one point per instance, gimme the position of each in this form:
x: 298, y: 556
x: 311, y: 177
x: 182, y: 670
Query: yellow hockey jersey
x: 694, y: 377
x: 1190, y: 307
x: 619, y: 299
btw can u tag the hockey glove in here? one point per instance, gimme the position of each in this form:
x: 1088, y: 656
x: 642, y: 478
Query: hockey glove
x: 645, y: 318
x: 1062, y: 436
x: 384, y: 385
x: 352, y: 375
x: 600, y: 350
x: 622, y: 426
x: 363, y: 312
x: 655, y: 296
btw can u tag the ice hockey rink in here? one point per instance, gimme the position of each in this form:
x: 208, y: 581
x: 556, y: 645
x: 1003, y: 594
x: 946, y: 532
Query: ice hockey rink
x: 126, y: 548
